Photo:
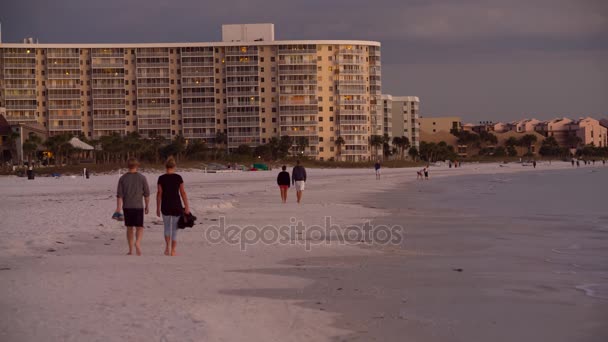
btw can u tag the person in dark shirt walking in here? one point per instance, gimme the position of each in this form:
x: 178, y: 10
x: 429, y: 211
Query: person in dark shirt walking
x: 377, y: 168
x: 169, y: 204
x: 132, y: 187
x: 298, y: 178
x: 283, y: 180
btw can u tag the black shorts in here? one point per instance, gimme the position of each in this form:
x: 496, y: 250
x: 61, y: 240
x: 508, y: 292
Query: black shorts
x: 134, y: 217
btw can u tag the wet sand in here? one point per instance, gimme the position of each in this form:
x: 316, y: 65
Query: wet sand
x: 485, y: 258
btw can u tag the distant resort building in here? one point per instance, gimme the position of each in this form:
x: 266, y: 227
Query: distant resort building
x: 401, y: 116
x: 249, y: 87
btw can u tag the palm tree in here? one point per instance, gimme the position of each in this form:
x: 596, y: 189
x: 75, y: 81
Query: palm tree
x: 301, y: 144
x: 527, y: 141
x: 339, y: 143
x: 11, y: 141
x: 30, y: 146
x: 397, y: 145
x: 375, y: 142
x: 404, y: 144
x: 59, y: 145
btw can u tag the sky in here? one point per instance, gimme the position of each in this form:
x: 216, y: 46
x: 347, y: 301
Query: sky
x: 496, y: 60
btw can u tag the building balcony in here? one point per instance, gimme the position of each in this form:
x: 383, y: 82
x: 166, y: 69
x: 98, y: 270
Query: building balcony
x: 251, y: 62
x: 20, y: 96
x: 71, y: 76
x: 159, y: 54
x: 28, y: 64
x: 204, y: 53
x: 311, y: 72
x: 302, y: 62
x: 108, y: 54
x: 243, y: 134
x: 298, y: 82
x: 108, y: 96
x: 352, y: 72
x: 52, y: 54
x: 361, y: 82
x: 297, y: 51
x: 353, y: 152
x: 244, y: 124
x: 344, y: 102
x: 52, y: 96
x: 299, y: 92
x: 153, y: 85
x: 11, y: 85
x: 298, y: 111
x: 199, y: 84
x: 353, y: 132
x: 242, y: 93
x: 114, y: 117
x: 206, y: 64
x: 63, y: 65
x: 106, y: 65
x: 242, y: 73
x: 20, y: 107
x: 31, y: 55
x: 232, y: 84
x: 198, y: 105
x: 100, y: 125
x: 59, y: 128
x: 351, y: 52
x: 198, y: 112
x: 353, y: 122
x: 74, y: 85
x: 195, y: 73
x: 8, y: 76
x: 352, y: 112
x: 109, y: 105
x: 14, y: 119
x: 153, y: 75
x: 154, y: 105
x: 147, y: 125
x: 298, y: 123
x: 153, y: 95
x: 75, y: 106
x: 197, y: 135
x: 107, y: 75
x: 57, y: 117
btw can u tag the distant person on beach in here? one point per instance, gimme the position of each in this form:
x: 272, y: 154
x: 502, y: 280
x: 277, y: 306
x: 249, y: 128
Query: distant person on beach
x: 450, y: 164
x: 603, y: 161
x: 534, y: 163
x: 169, y: 203
x: 419, y: 174
x: 132, y: 187
x: 578, y: 163
x: 426, y: 173
x: 377, y: 168
x: 298, y: 178
x: 283, y: 180
x: 572, y: 162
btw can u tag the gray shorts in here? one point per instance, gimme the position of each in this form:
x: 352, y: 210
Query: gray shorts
x: 170, y: 223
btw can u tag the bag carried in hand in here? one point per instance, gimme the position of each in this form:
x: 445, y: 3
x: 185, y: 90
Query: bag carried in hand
x: 186, y: 221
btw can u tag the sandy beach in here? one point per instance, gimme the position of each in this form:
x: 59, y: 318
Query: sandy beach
x: 488, y: 253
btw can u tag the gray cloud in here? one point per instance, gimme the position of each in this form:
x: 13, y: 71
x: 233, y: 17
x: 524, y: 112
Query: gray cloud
x: 470, y: 57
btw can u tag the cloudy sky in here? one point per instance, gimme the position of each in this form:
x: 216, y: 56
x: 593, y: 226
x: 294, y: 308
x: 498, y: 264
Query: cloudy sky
x: 480, y: 59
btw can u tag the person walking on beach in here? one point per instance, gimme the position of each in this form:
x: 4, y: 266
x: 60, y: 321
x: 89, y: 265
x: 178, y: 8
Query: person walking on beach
x: 426, y: 173
x: 534, y: 163
x: 283, y: 180
x: 572, y: 162
x: 377, y: 168
x: 298, y: 178
x: 132, y: 187
x: 578, y: 163
x: 169, y: 203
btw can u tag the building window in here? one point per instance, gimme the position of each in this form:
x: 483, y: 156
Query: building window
x: 320, y: 109
x: 320, y: 148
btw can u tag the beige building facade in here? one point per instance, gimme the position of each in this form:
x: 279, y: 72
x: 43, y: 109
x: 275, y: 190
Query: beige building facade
x: 249, y: 86
x: 440, y: 124
x: 401, y: 117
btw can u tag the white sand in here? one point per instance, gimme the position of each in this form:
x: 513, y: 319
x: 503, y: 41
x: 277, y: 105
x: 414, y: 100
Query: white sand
x: 87, y: 290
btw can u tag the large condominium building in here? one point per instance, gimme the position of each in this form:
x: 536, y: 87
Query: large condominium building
x: 249, y: 86
x: 401, y: 117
